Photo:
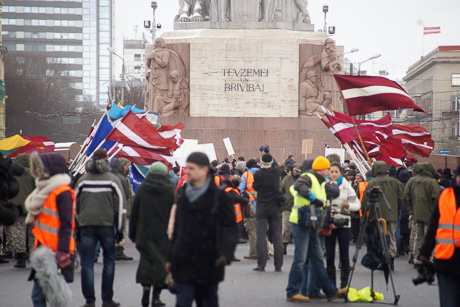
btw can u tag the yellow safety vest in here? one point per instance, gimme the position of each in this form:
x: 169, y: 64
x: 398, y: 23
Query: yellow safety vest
x: 318, y: 189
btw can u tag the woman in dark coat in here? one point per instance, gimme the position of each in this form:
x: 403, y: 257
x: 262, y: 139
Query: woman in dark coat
x: 148, y: 230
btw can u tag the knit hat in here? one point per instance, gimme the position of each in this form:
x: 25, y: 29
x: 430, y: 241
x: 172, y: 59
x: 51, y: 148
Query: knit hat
x: 100, y: 154
x: 267, y: 161
x: 158, y: 168
x: 251, y: 163
x: 297, y: 166
x: 198, y: 158
x: 241, y: 165
x: 321, y: 163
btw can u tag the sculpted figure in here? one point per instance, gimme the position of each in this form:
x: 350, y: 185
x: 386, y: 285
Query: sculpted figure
x: 302, y: 15
x: 268, y: 10
x: 311, y: 99
x: 158, y: 62
x: 192, y: 10
x: 329, y: 58
x: 176, y: 101
x: 225, y: 10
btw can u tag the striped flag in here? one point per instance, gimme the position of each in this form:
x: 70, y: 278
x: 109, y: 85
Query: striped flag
x: 367, y: 94
x: 414, y: 139
x: 431, y: 30
x: 143, y: 156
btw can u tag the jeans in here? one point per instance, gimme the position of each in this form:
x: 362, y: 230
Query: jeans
x: 342, y: 235
x: 274, y: 223
x: 449, y: 284
x: 89, y: 237
x: 38, y: 298
x: 204, y: 295
x: 307, y: 243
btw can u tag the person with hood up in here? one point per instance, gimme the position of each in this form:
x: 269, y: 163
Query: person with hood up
x: 20, y: 229
x: 204, y: 236
x: 341, y: 207
x: 51, y: 208
x: 173, y: 176
x: 421, y: 193
x: 148, y: 224
x: 393, y: 192
x: 100, y: 209
x: 225, y: 176
x: 285, y: 185
x: 289, y: 163
x: 250, y: 223
x: 269, y: 212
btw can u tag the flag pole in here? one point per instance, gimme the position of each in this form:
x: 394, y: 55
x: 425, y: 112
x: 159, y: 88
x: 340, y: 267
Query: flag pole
x: 352, y: 119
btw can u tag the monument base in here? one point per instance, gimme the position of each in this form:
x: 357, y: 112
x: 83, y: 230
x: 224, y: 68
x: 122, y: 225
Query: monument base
x: 236, y: 25
x: 283, y: 135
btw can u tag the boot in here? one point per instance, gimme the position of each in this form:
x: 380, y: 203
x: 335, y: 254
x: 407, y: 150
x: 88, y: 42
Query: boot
x: 8, y: 255
x: 411, y: 259
x: 145, y: 296
x: 285, y: 248
x: 331, y: 274
x: 120, y: 254
x: 344, y: 275
x: 392, y: 264
x: 3, y: 260
x: 156, y: 302
x: 21, y: 261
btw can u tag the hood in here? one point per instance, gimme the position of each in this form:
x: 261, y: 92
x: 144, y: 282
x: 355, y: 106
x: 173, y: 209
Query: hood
x: 431, y: 168
x: 172, y: 174
x: 156, y: 183
x: 379, y: 168
x: 97, y: 166
x: 307, y: 165
x: 404, y: 175
x: 254, y: 169
x: 47, y: 165
x: 225, y: 169
x: 289, y: 163
x: 23, y: 160
x: 426, y: 170
x: 418, y: 168
x: 115, y: 165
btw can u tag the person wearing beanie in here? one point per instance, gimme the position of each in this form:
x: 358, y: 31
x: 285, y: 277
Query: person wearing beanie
x: 310, y: 189
x: 250, y: 224
x: 51, y: 199
x: 203, y: 209
x: 420, y: 192
x: 240, y: 167
x: 393, y: 191
x: 446, y: 252
x: 285, y: 185
x: 98, y: 215
x: 269, y: 212
x: 148, y: 230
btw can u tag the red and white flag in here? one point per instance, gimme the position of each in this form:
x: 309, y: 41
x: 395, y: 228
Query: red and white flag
x: 133, y: 131
x: 431, y: 30
x: 144, y: 156
x: 367, y: 94
x: 415, y: 139
x: 37, y: 143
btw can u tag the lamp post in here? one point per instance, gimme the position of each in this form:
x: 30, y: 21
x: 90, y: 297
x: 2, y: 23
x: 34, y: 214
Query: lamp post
x: 325, y: 10
x: 154, y: 6
x: 378, y: 55
x: 352, y: 50
x: 113, y: 51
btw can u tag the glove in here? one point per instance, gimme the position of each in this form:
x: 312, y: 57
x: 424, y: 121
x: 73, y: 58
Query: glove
x: 318, y: 203
x: 119, y: 237
x: 221, y: 261
x: 63, y: 259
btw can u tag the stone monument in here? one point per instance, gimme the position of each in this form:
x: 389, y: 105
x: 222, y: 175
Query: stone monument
x: 251, y: 70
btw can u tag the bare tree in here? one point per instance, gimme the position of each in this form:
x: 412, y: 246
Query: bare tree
x: 134, y: 93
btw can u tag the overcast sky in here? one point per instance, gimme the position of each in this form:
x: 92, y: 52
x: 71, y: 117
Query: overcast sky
x: 393, y: 28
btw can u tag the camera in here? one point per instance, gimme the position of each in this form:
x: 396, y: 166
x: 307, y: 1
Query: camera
x: 264, y: 148
x: 425, y: 274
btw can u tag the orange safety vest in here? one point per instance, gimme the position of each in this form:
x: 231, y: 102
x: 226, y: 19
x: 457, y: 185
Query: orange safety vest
x: 249, y: 182
x: 448, y: 233
x: 239, y: 215
x: 217, y: 180
x: 361, y: 188
x: 47, y: 223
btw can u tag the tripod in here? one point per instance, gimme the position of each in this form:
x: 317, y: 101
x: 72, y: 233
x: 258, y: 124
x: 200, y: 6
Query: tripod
x: 372, y: 220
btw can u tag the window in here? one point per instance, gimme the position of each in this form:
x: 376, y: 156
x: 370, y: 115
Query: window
x: 455, y: 79
x: 9, y: 34
x: 455, y: 129
x: 28, y: 47
x: 455, y: 102
x: 137, y: 57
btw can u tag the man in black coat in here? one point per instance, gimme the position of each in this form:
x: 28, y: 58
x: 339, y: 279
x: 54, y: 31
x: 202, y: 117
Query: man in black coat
x: 269, y: 212
x: 204, y: 237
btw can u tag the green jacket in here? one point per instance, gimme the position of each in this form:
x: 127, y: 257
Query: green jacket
x: 26, y: 181
x: 148, y: 226
x: 286, y: 184
x: 130, y: 196
x: 421, y: 192
x: 391, y: 188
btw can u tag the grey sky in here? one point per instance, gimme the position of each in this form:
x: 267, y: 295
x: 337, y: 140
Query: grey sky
x: 393, y: 28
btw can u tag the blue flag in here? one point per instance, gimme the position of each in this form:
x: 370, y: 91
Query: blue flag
x: 116, y: 111
x: 136, y: 176
x: 102, y: 131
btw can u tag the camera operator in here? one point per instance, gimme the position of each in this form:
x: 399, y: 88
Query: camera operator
x: 443, y: 236
x: 393, y: 192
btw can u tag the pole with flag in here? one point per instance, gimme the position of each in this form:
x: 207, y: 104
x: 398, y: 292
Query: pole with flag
x: 427, y: 31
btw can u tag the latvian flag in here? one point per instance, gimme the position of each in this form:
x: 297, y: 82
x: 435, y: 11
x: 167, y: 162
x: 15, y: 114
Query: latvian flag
x: 431, y: 30
x: 367, y: 94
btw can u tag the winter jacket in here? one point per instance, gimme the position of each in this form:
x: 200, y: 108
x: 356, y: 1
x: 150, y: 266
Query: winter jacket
x: 100, y: 197
x: 26, y: 182
x: 303, y: 185
x: 267, y: 185
x: 174, y: 178
x: 203, y: 231
x: 421, y: 192
x: 148, y: 224
x: 243, y: 184
x: 284, y: 188
x: 116, y: 169
x: 391, y: 188
x: 346, y: 193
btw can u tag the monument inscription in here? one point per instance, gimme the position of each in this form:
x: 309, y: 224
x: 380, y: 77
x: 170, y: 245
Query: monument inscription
x: 244, y: 83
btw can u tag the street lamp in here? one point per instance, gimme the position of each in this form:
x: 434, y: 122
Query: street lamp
x: 352, y: 50
x: 325, y: 10
x: 378, y: 55
x: 114, y: 52
x: 154, y: 6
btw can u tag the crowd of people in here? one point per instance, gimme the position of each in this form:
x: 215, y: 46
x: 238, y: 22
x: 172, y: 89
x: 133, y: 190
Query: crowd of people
x: 186, y: 223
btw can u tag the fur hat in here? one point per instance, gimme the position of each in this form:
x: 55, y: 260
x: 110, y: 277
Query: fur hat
x: 44, y: 166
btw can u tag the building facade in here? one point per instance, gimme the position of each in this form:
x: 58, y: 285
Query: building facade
x: 3, y: 51
x: 434, y: 84
x: 134, y: 59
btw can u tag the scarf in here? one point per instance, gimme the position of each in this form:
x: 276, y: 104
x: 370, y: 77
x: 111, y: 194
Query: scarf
x: 339, y: 181
x: 34, y: 202
x: 193, y: 193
